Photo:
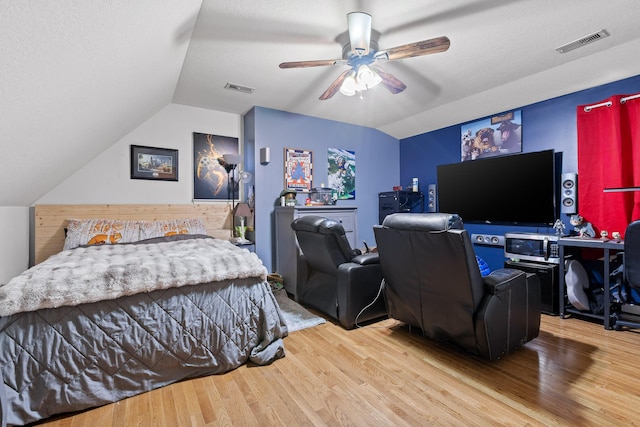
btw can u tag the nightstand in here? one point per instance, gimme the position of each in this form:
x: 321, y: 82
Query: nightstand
x: 251, y: 246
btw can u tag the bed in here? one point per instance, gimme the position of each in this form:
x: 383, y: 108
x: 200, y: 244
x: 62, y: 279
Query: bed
x: 149, y: 302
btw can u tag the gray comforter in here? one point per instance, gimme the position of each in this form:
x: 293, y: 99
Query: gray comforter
x: 76, y: 356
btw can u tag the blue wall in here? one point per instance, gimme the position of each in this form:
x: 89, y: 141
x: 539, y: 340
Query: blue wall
x: 547, y: 124
x: 377, y: 166
x: 383, y: 162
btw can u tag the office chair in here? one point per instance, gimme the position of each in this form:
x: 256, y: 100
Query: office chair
x: 630, y: 277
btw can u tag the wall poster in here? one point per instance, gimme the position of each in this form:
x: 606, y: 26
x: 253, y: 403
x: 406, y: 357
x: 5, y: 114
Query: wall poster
x: 493, y: 136
x: 342, y: 172
x: 298, y: 170
x: 210, y: 179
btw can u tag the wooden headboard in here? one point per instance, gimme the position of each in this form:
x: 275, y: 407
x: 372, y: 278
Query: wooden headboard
x: 50, y: 220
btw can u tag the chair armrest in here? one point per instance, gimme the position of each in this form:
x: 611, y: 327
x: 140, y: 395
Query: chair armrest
x: 358, y: 287
x: 503, y: 279
x: 366, y: 259
x: 509, y: 314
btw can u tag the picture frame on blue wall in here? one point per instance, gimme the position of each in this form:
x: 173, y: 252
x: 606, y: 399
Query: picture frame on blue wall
x: 493, y: 136
x: 210, y: 178
x: 341, y: 173
x: 159, y: 164
x: 298, y: 170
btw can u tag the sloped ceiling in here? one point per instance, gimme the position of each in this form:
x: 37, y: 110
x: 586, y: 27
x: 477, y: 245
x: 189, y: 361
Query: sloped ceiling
x: 75, y: 77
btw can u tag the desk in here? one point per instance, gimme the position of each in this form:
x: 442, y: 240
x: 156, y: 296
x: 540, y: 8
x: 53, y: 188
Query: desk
x: 584, y: 242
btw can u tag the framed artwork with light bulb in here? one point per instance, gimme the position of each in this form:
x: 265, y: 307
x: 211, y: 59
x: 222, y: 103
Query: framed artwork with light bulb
x: 210, y: 175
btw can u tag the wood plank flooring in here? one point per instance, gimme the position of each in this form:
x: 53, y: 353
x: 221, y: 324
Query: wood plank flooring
x: 574, y: 374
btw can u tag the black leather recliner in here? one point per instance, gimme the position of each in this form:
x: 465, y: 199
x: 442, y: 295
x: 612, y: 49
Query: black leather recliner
x: 432, y: 281
x: 333, y: 278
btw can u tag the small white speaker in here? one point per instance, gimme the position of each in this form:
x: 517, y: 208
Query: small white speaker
x: 265, y: 155
x: 569, y: 193
x: 432, y: 198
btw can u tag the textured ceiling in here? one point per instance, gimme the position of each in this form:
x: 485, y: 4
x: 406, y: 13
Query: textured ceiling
x: 75, y: 77
x: 502, y: 55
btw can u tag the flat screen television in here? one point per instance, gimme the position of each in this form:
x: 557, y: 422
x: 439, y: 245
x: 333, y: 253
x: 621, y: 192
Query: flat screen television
x: 510, y: 189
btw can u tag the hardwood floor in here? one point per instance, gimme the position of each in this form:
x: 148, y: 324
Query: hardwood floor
x: 574, y: 374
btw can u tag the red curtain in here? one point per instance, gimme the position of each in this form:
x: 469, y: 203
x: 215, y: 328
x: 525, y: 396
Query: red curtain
x: 609, y: 157
x: 632, y: 111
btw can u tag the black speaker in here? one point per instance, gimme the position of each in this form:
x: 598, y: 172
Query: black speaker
x: 548, y: 275
x: 569, y: 193
x: 432, y: 198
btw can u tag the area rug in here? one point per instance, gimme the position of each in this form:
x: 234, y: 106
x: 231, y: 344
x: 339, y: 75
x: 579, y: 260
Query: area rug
x: 295, y: 315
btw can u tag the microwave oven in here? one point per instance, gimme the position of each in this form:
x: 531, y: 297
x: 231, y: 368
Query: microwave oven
x: 532, y: 247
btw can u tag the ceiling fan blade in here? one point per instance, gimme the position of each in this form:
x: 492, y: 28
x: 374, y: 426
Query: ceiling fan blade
x: 424, y: 47
x: 318, y: 63
x: 335, y: 86
x: 389, y: 81
x: 359, y: 32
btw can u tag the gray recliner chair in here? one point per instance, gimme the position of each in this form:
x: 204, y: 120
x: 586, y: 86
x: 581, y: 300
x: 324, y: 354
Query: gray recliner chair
x: 333, y: 278
x: 432, y: 281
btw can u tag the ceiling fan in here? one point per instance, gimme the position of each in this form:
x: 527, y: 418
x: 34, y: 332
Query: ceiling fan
x: 362, y: 56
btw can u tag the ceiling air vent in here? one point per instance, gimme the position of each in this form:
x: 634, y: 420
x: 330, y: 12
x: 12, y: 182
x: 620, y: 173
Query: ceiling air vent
x: 583, y: 41
x: 238, y: 88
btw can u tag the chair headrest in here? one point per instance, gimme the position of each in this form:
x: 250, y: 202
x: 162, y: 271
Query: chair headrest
x: 633, y: 230
x: 318, y: 224
x: 632, y: 254
x: 424, y: 221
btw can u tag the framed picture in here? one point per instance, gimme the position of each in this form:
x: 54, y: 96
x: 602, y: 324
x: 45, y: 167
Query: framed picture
x: 342, y: 172
x: 210, y: 178
x: 154, y: 163
x: 493, y: 136
x: 298, y: 170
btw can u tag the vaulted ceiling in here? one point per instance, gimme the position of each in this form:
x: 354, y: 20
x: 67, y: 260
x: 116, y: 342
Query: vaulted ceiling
x: 75, y: 77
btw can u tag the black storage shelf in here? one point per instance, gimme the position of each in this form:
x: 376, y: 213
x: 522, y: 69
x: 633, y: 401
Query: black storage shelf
x: 399, y: 201
x: 548, y: 275
x: 583, y: 314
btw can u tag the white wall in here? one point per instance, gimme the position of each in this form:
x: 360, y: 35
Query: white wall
x: 106, y: 179
x: 14, y: 245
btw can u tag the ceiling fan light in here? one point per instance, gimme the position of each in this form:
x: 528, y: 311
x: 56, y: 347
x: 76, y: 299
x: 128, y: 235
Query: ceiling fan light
x: 376, y: 81
x: 367, y: 77
x: 359, y: 32
x: 348, y: 86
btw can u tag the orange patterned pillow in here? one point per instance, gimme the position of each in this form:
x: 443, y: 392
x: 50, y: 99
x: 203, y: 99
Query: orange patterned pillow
x: 170, y: 227
x: 100, y: 232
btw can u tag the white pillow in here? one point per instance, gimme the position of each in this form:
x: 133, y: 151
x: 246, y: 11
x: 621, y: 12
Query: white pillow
x: 577, y: 281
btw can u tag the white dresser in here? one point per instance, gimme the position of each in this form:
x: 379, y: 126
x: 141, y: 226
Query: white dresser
x: 287, y: 250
